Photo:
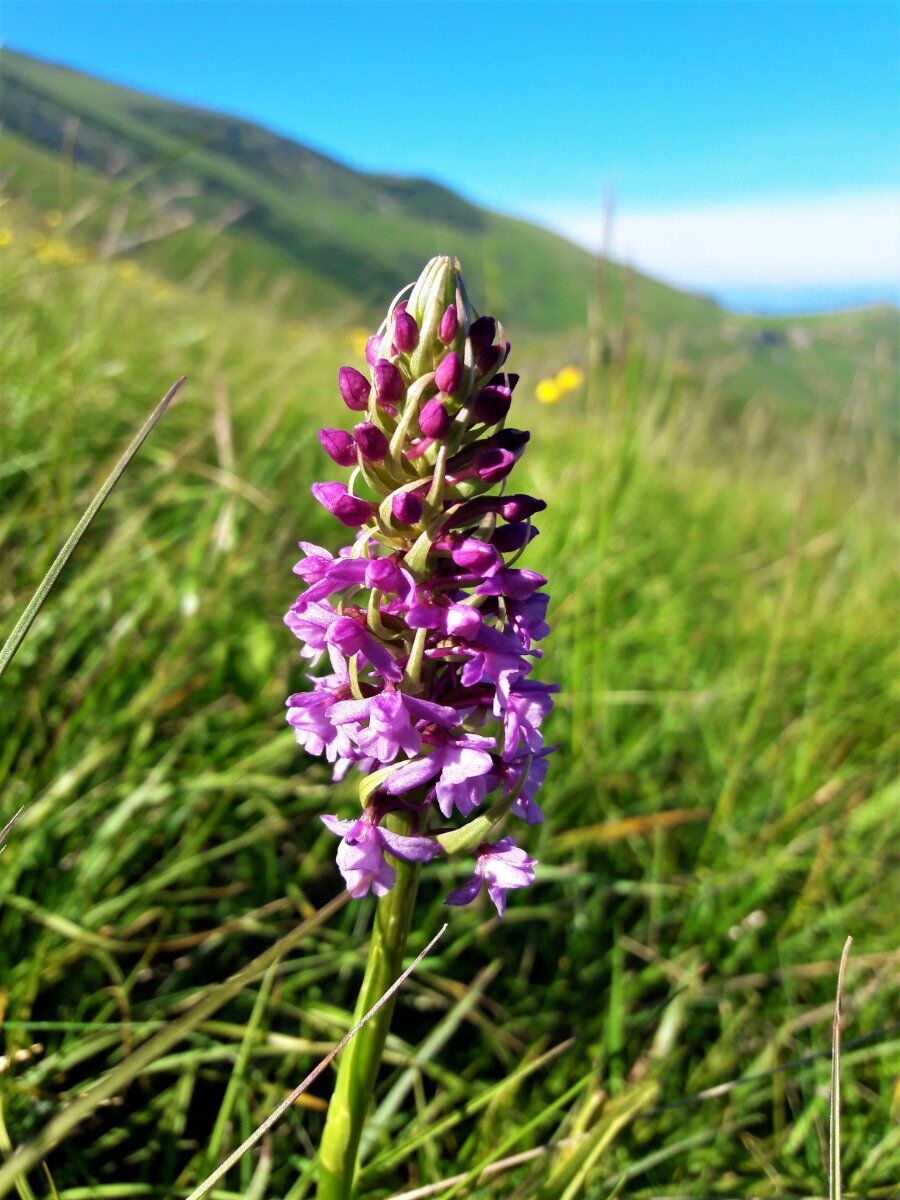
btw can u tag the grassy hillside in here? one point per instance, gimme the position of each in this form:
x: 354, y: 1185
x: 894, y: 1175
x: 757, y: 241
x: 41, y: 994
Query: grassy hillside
x: 218, y: 201
x: 723, y: 811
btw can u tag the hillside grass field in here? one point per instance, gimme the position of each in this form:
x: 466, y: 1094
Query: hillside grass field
x: 654, y: 1018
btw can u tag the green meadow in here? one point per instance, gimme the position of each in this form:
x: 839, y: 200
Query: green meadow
x: 654, y: 1017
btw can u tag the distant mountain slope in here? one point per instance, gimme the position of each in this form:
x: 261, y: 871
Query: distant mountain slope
x: 191, y: 190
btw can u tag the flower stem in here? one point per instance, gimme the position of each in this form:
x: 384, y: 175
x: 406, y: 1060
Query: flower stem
x: 358, y: 1065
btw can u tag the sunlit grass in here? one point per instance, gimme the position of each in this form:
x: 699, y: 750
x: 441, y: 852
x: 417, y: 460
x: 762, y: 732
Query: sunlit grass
x: 724, y: 593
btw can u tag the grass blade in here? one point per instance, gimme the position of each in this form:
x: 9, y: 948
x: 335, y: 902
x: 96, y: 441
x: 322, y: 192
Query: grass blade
x: 35, y: 604
x: 834, y: 1116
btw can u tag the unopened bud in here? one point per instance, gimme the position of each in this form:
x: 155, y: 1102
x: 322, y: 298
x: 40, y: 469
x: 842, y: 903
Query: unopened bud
x: 389, y: 386
x: 434, y: 420
x: 339, y: 446
x: 349, y: 510
x: 448, y: 376
x: 373, y: 445
x: 354, y: 388
x: 482, y: 333
x: 406, y: 507
x: 406, y: 332
x: 449, y: 325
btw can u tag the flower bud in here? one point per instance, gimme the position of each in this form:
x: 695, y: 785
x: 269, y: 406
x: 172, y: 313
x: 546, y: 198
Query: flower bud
x: 475, y: 555
x: 512, y: 439
x: 448, y: 376
x: 507, y: 538
x: 406, y: 507
x: 449, y: 325
x: 492, y: 403
x: 373, y: 349
x: 504, y: 379
x: 339, y: 446
x: 389, y: 385
x: 482, y: 334
x: 373, y: 445
x: 520, y: 508
x: 354, y: 388
x: 406, y: 332
x: 349, y: 510
x: 493, y: 465
x: 434, y: 420
x: 491, y: 358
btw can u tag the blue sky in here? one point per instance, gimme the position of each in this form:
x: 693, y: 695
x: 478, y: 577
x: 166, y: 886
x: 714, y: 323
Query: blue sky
x: 752, y: 148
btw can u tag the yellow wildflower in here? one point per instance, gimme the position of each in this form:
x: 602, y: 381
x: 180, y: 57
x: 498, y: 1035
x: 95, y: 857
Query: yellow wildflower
x: 358, y: 339
x: 569, y: 378
x: 547, y: 391
x: 7, y: 237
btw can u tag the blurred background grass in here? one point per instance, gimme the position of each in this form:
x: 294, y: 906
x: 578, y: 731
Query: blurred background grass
x: 723, y: 812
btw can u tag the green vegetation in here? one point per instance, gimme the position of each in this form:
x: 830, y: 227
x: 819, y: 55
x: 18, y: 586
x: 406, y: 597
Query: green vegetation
x: 723, y: 811
x: 202, y: 196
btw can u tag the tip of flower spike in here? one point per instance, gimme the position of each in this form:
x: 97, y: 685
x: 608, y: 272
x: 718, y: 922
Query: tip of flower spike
x: 449, y: 325
x: 406, y: 332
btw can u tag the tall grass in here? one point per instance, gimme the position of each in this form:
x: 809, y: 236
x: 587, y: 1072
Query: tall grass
x: 722, y: 814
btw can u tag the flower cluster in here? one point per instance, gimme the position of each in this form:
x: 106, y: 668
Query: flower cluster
x: 428, y: 628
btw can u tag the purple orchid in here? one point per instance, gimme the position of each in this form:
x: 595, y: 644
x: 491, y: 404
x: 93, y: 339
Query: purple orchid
x: 503, y: 866
x: 429, y: 628
x: 360, y: 856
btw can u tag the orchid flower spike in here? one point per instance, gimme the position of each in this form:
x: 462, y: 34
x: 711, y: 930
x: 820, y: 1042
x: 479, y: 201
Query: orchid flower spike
x: 428, y: 627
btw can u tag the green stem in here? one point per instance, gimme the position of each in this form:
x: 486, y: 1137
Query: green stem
x: 359, y: 1063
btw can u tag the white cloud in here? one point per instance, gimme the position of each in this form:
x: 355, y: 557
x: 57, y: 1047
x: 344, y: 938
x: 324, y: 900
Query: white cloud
x: 844, y: 240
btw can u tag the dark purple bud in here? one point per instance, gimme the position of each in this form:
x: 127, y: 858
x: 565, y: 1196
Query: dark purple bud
x: 520, y: 508
x: 373, y: 445
x: 339, y: 446
x: 449, y: 325
x: 406, y: 332
x: 491, y: 358
x: 349, y: 510
x: 448, y: 376
x: 434, y: 420
x: 507, y: 538
x: 493, y: 465
x: 511, y: 439
x: 482, y: 333
x: 373, y: 349
x: 389, y: 385
x: 511, y: 508
x: 406, y: 507
x: 354, y: 388
x: 504, y: 379
x: 492, y: 403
